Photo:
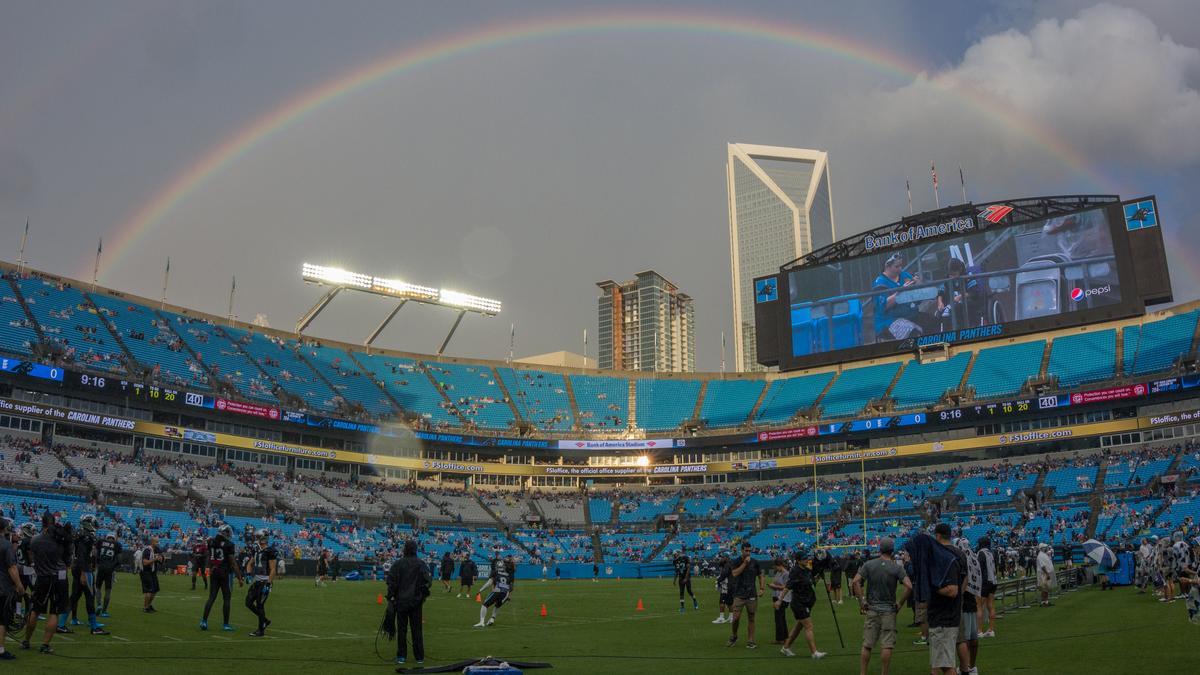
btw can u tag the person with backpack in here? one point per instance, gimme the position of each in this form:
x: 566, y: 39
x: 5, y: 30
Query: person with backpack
x: 408, y: 583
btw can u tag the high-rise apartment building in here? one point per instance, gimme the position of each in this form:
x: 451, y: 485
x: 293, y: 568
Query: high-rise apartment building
x: 646, y: 324
x: 780, y: 209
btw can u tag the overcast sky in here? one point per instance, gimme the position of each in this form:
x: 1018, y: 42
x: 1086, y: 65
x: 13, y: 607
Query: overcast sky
x: 529, y: 171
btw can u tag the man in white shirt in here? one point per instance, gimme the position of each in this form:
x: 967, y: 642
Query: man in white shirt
x: 1045, y: 573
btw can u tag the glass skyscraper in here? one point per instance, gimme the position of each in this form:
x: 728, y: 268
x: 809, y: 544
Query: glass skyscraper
x: 646, y: 324
x: 780, y: 209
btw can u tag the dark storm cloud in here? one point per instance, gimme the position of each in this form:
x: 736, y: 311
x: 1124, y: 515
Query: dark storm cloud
x: 530, y: 171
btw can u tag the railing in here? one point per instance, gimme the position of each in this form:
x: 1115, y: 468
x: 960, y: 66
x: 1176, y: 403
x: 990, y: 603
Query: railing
x: 1013, y: 595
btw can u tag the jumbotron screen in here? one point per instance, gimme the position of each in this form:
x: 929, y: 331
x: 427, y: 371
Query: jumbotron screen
x: 957, y: 282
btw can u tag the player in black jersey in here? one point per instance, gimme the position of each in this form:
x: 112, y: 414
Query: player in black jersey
x: 108, y: 553
x: 262, y: 567
x: 25, y: 564
x: 683, y: 577
x: 199, y: 558
x: 501, y: 583
x: 83, y: 568
x: 221, y: 570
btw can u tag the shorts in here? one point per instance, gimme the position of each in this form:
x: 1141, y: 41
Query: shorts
x: 105, y: 576
x: 8, y: 607
x: 879, y: 628
x: 989, y: 589
x: 727, y: 599
x: 468, y: 581
x: 801, y: 612
x: 496, y: 599
x: 968, y: 628
x: 943, y: 646
x: 446, y: 576
x: 51, y: 596
x: 922, y: 612
x: 751, y: 605
x: 149, y: 582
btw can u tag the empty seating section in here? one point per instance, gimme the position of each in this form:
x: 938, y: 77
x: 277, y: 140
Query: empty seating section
x: 727, y: 403
x: 67, y: 321
x: 1174, y: 515
x: 1155, y: 346
x: 1001, y: 371
x: 352, y: 498
x: 412, y: 501
x: 600, y: 509
x: 1070, y: 481
x: 1083, y: 358
x: 905, y: 498
x: 17, y: 335
x: 25, y: 463
x: 603, y: 402
x: 458, y: 508
x: 223, y: 358
x: 117, y: 476
x: 703, y: 544
x: 22, y: 506
x: 630, y: 547
x: 277, y: 357
x: 406, y: 381
x: 153, y: 343
x: 856, y: 387
x: 664, y: 405
x: 1058, y: 524
x: 540, y: 397
x: 922, y: 385
x: 645, y: 507
x: 975, y: 524
x: 474, y: 392
x: 789, y: 395
x: 820, y: 502
x: 340, y: 370
x: 509, y: 507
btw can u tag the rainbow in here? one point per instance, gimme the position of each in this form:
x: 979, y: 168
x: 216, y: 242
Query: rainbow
x: 151, y: 212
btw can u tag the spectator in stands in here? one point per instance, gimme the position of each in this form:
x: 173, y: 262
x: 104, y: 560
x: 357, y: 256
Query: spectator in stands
x: 894, y: 320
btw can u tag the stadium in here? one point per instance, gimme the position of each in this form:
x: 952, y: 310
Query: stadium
x: 1017, y: 402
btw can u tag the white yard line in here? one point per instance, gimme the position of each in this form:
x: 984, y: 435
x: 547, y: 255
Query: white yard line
x: 288, y: 632
x: 172, y: 638
x: 118, y: 637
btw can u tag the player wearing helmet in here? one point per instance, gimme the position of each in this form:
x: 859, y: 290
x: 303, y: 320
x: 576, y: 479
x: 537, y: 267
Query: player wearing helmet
x: 108, y: 553
x: 262, y: 566
x: 83, y: 567
x: 199, y: 558
x: 221, y: 568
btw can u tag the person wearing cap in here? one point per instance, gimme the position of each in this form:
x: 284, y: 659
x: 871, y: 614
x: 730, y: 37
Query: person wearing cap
x: 945, y: 611
x: 877, y: 603
x: 894, y: 320
x: 1045, y: 573
x: 780, y: 597
x: 804, y: 596
x: 11, y: 587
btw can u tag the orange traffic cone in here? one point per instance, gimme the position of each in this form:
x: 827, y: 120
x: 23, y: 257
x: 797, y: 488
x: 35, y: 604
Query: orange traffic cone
x: 543, y: 611
x: 379, y: 599
x: 640, y: 606
x: 478, y: 598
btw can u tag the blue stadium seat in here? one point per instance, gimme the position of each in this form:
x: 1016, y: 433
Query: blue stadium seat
x: 406, y: 381
x: 1083, y: 358
x: 603, y: 402
x: 17, y: 336
x: 222, y: 357
x: 474, y: 392
x: 153, y: 343
x: 664, y: 405
x: 1002, y: 371
x: 727, y: 403
x: 788, y: 395
x: 66, y: 320
x: 277, y: 357
x: 541, y: 397
x: 921, y: 385
x: 1155, y: 346
x: 337, y: 367
x: 856, y: 387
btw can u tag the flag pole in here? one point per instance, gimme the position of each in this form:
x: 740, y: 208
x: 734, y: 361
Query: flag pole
x: 166, y: 280
x: 937, y: 203
x: 96, y: 269
x: 232, y: 290
x: 512, y: 341
x: 585, y: 348
x: 722, y: 351
x: 962, y: 181
x: 21, y: 255
x: 908, y: 191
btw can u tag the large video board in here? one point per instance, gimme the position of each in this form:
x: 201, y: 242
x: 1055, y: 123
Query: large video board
x: 961, y: 280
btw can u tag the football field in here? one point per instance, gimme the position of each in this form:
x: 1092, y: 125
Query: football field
x: 589, y: 628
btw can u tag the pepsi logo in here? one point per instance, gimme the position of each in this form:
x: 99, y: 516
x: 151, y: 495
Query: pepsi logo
x: 1077, y: 294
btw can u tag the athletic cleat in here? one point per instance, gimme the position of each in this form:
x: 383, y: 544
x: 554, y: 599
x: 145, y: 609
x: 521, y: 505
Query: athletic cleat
x: 695, y: 605
x: 104, y: 614
x: 920, y: 641
x: 203, y: 624
x: 99, y: 630
x: 7, y: 656
x: 492, y: 621
x: 988, y: 633
x: 479, y: 625
x: 732, y: 641
x: 818, y: 655
x: 46, y: 649
x: 399, y: 660
x: 25, y: 644
x: 76, y: 622
x: 63, y: 630
x: 681, y: 609
x: 751, y: 645
x: 257, y: 633
x: 719, y: 619
x: 786, y: 652
x: 227, y: 628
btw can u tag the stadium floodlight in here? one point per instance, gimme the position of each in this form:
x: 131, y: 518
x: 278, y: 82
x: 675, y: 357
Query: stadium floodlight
x: 338, y: 279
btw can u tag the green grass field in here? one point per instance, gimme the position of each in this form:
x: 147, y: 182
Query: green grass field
x: 590, y: 628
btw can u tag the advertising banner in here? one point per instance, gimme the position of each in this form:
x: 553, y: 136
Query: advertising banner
x: 1114, y: 394
x: 251, y: 409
